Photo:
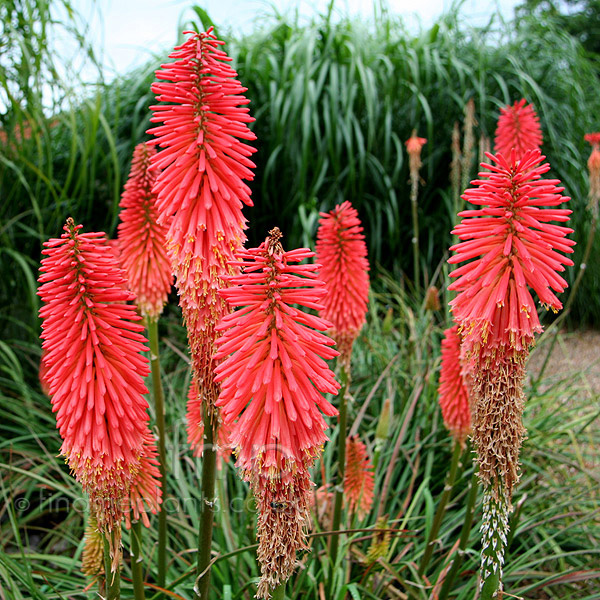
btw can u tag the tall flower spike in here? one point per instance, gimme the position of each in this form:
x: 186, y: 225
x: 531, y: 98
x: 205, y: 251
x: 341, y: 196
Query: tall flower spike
x: 141, y: 239
x: 518, y: 128
x: 200, y: 189
x: 342, y: 252
x: 414, y: 144
x: 359, y: 481
x: 453, y: 391
x: 94, y: 370
x: 273, y: 375
x: 510, y: 245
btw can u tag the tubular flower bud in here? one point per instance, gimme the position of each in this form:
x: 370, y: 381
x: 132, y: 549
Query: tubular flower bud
x: 519, y: 129
x: 94, y: 370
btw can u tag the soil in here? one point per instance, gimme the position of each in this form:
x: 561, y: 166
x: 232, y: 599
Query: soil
x: 575, y: 354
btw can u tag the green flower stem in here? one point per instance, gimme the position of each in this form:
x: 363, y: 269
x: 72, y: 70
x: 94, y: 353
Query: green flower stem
x: 159, y: 409
x: 137, y: 574
x: 113, y: 580
x: 441, y: 509
x: 341, y: 471
x: 279, y: 592
x: 464, y: 539
x: 414, y: 186
x: 207, y: 509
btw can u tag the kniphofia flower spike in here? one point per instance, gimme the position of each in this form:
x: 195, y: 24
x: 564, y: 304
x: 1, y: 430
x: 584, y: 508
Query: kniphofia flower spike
x: 359, y: 481
x: 511, y: 246
x: 141, y: 239
x: 273, y: 374
x: 94, y: 371
x: 201, y: 191
x: 342, y: 254
x: 453, y: 390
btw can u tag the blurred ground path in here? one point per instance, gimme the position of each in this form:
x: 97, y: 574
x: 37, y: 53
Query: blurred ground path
x: 576, y: 354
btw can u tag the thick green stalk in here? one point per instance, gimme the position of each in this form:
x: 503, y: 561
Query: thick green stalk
x: 279, y: 592
x: 113, y: 580
x: 414, y: 181
x: 159, y: 409
x: 207, y: 509
x: 441, y: 509
x: 137, y: 572
x: 464, y: 539
x: 341, y: 471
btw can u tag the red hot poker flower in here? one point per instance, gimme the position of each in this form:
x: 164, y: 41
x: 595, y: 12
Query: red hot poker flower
x: 342, y: 252
x: 272, y: 376
x: 273, y: 354
x: 510, y: 245
x: 594, y: 169
x: 414, y: 144
x: 359, y: 481
x: 518, y: 128
x: 94, y: 370
x: 453, y: 391
x: 141, y: 239
x: 201, y: 186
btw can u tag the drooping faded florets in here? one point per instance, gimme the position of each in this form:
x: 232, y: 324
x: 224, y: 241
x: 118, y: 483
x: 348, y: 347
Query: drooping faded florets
x: 94, y: 370
x: 518, y: 129
x: 342, y: 254
x: 141, y: 239
x: 273, y: 374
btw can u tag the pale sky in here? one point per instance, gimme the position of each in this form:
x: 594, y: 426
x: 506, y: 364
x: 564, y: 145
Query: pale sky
x: 131, y: 30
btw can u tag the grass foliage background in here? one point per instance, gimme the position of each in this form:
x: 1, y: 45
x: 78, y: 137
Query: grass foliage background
x: 334, y: 100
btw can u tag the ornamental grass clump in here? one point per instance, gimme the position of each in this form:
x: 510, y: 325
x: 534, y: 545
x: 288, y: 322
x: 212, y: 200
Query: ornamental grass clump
x: 511, y: 247
x: 95, y: 369
x: 141, y: 239
x: 273, y: 376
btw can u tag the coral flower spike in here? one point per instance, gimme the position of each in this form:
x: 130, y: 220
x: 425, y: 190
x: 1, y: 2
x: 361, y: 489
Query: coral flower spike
x: 95, y: 373
x: 518, y: 128
x: 511, y: 246
x: 359, y: 481
x: 342, y: 252
x: 273, y: 374
x: 594, y: 171
x: 141, y: 240
x: 201, y: 189
x: 453, y: 390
